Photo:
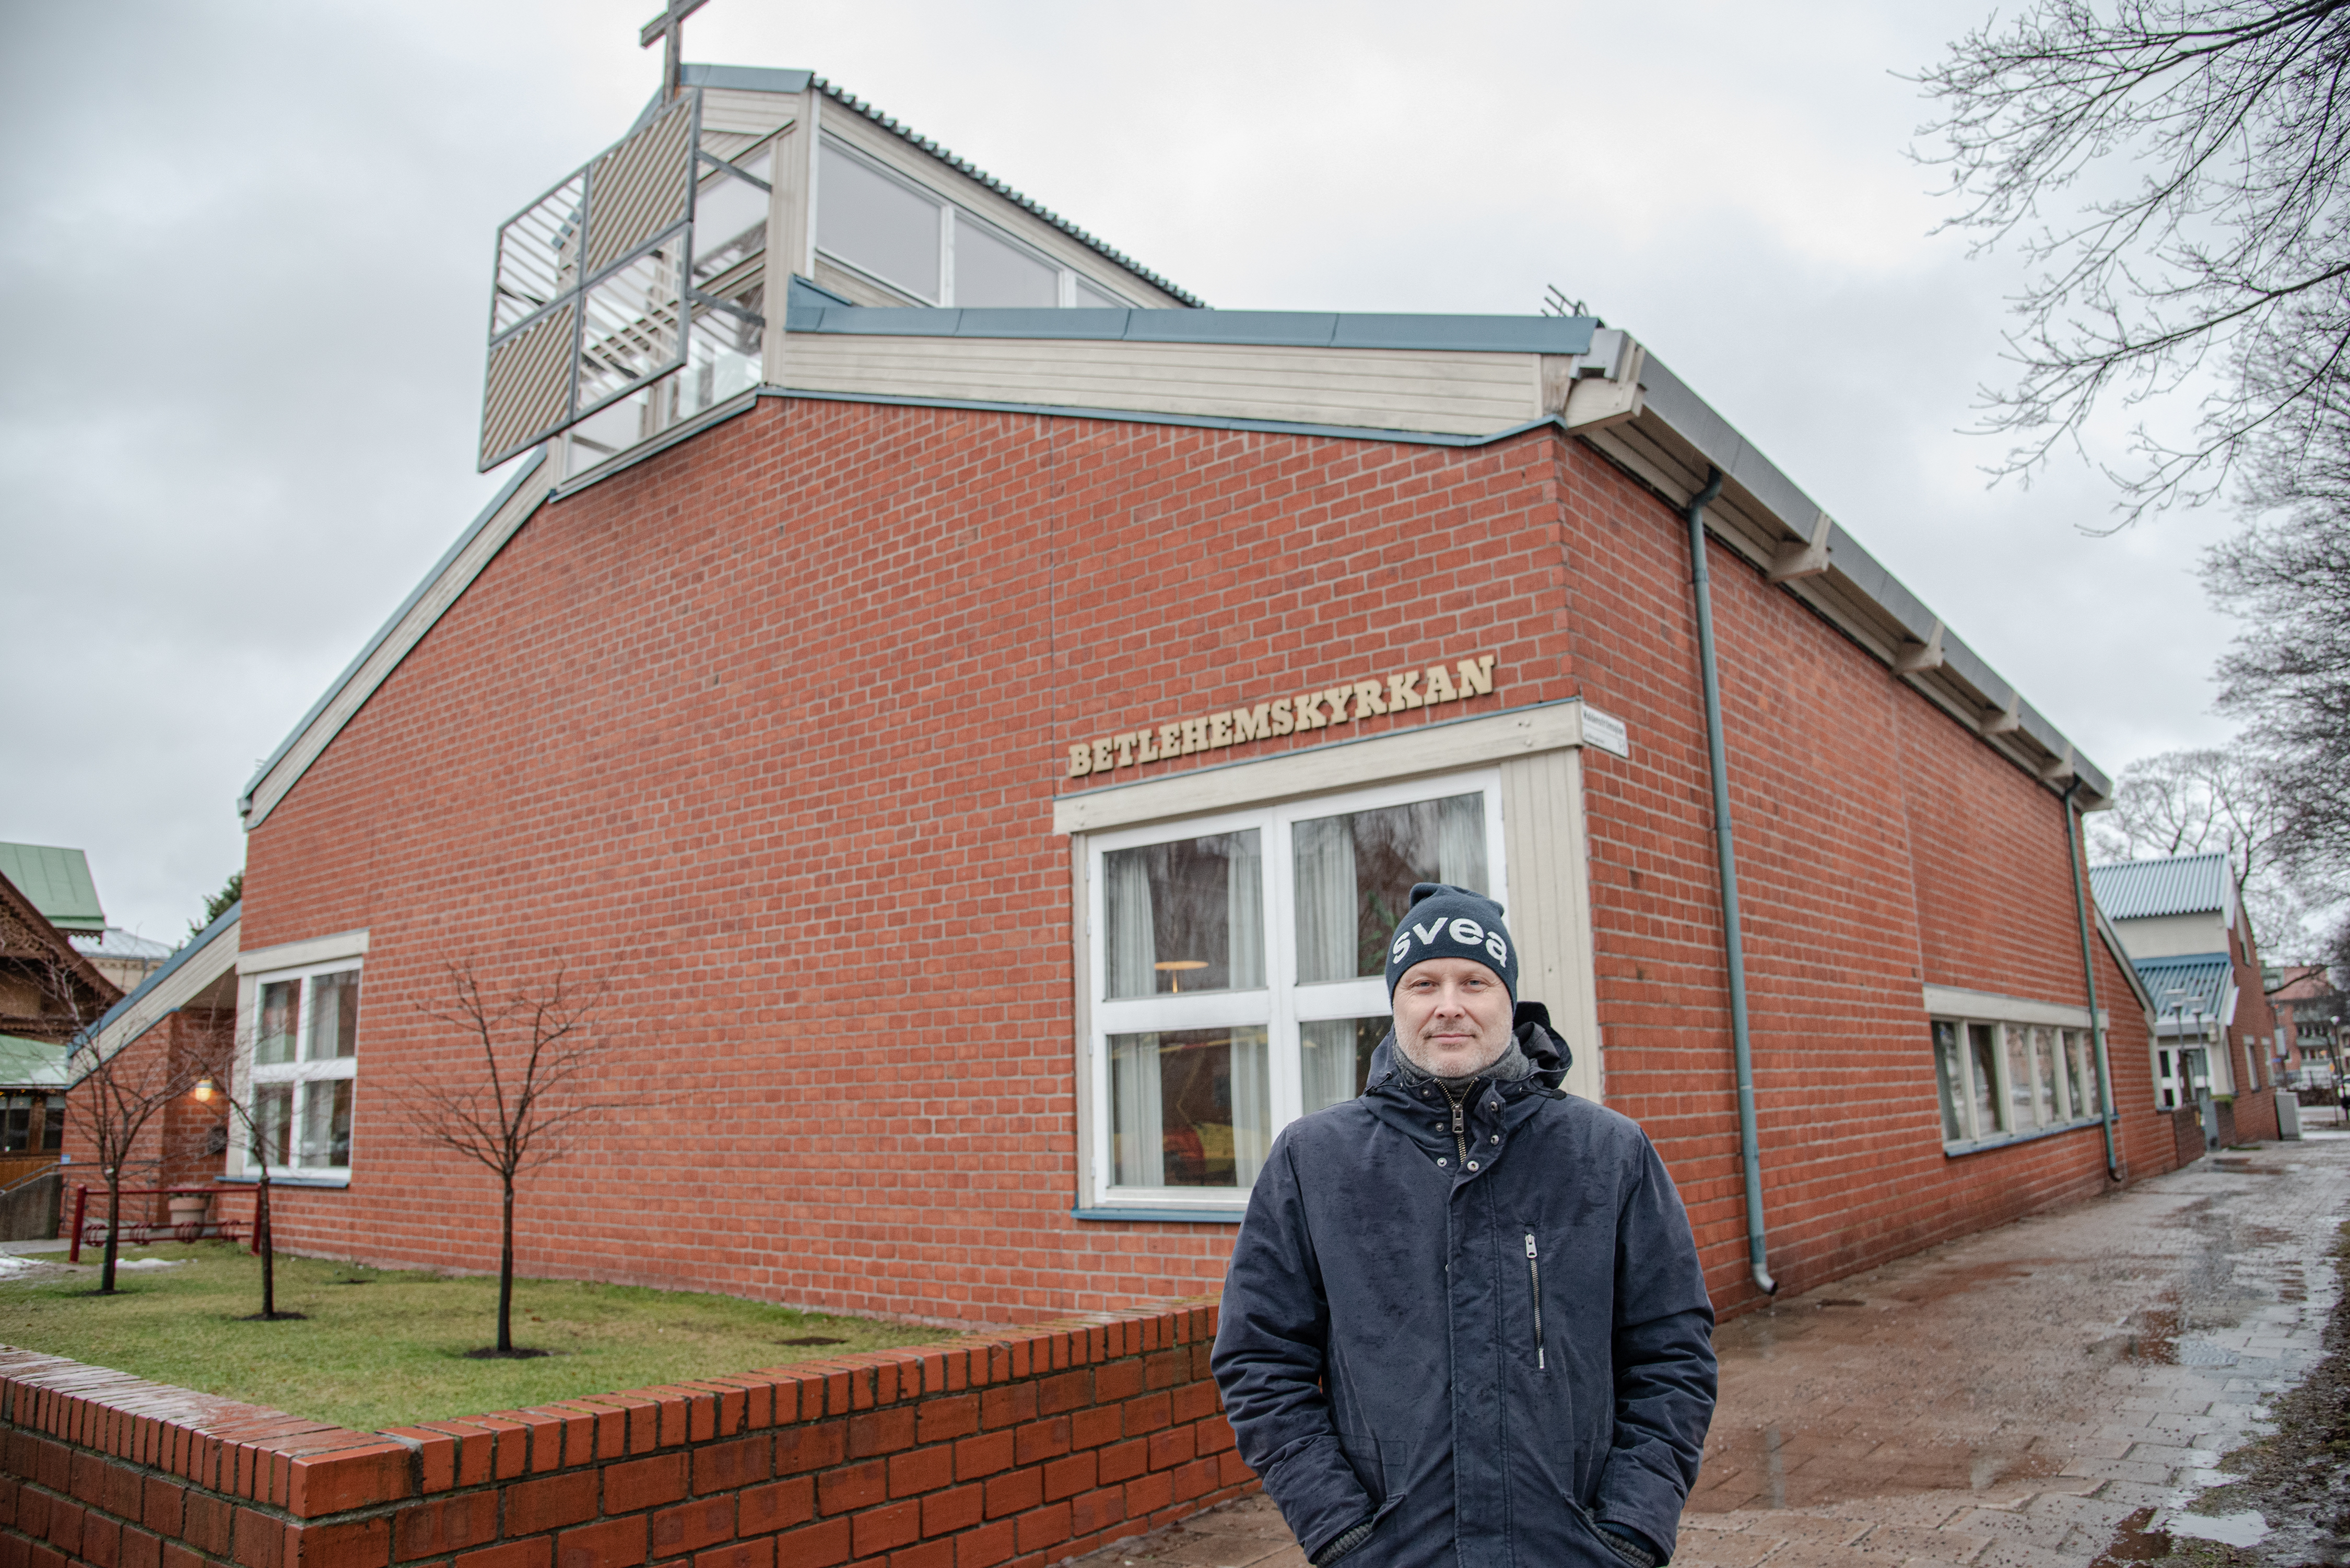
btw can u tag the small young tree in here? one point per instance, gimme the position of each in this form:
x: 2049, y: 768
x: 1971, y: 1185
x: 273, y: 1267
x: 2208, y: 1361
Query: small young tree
x: 515, y: 1107
x: 114, y: 1096
x: 256, y: 1139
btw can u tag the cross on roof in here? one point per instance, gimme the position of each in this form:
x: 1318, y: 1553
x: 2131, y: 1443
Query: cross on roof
x: 670, y: 26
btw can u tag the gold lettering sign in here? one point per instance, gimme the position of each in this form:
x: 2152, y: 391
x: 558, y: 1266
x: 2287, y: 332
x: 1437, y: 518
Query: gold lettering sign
x: 1324, y: 710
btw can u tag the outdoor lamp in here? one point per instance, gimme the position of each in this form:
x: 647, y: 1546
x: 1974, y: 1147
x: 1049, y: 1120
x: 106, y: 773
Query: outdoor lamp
x: 205, y: 1087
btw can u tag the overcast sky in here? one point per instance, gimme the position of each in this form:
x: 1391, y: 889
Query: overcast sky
x: 246, y: 248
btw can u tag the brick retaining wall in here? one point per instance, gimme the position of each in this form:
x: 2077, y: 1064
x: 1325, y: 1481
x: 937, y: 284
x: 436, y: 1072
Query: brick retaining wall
x: 1024, y: 1448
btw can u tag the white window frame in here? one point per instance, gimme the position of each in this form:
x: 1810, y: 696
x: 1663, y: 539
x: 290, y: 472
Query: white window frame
x: 305, y: 962
x: 1283, y: 1005
x: 2001, y: 1014
x: 952, y: 214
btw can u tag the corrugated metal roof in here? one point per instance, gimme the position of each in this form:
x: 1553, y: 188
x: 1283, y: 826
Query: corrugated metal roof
x: 58, y: 882
x: 2186, y: 986
x: 31, y: 1063
x: 2180, y: 884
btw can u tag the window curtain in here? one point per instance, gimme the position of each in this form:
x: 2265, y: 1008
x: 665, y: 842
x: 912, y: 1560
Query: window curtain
x: 1244, y: 913
x: 1133, y: 939
x: 1252, y: 1105
x: 1329, y: 1062
x: 1326, y: 918
x: 1138, y: 1152
x: 1461, y: 842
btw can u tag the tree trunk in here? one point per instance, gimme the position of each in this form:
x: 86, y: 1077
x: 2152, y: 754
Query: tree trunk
x: 268, y: 1249
x: 506, y: 1275
x: 113, y: 1229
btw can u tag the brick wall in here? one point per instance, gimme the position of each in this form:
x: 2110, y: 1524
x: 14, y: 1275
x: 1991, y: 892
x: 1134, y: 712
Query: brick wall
x: 765, y: 731
x: 179, y: 1145
x: 1024, y: 1449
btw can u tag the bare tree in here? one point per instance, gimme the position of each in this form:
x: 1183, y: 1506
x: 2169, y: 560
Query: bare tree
x: 115, y: 1097
x: 533, y: 1086
x: 2200, y: 155
x: 264, y: 1241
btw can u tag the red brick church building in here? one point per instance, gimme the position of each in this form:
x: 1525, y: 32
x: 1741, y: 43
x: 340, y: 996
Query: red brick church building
x: 976, y: 711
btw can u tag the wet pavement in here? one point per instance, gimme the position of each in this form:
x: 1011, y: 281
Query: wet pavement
x: 2053, y: 1394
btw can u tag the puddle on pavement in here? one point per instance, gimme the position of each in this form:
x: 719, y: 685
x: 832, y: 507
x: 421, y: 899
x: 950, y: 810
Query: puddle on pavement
x: 1797, y: 1466
x: 1952, y: 1279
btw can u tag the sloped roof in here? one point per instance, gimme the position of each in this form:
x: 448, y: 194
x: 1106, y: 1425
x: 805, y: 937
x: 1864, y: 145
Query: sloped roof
x: 2187, y: 985
x: 202, y: 960
x: 58, y: 882
x: 31, y: 1063
x: 2179, y: 885
x: 114, y: 942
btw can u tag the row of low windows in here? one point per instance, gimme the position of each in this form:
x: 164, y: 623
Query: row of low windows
x: 1999, y: 1080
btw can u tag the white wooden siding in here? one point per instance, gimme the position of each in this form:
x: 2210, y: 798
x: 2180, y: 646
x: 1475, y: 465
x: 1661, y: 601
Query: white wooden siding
x: 755, y: 113
x: 1549, y: 876
x: 1442, y: 391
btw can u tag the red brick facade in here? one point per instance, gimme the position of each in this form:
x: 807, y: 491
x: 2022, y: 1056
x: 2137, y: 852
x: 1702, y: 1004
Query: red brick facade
x: 765, y: 731
x: 1021, y: 1450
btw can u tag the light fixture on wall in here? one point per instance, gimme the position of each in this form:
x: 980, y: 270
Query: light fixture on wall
x: 206, y: 1088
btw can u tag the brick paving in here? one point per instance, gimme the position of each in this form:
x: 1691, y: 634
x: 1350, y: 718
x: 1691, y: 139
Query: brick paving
x: 2010, y: 1400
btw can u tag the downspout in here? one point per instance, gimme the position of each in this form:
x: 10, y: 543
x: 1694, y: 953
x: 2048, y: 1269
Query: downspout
x: 2089, y: 977
x: 1725, y: 855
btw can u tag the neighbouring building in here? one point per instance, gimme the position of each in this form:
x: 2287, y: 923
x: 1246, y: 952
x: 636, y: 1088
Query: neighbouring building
x: 2216, y: 1037
x: 977, y: 713
x: 59, y: 883
x: 2310, y: 1008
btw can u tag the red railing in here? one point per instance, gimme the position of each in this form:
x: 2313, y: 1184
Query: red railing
x: 88, y: 1231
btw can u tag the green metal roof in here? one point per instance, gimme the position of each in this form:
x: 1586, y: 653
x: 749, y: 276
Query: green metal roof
x: 58, y: 882
x: 31, y: 1063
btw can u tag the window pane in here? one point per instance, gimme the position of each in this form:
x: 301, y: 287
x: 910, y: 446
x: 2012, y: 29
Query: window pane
x: 1982, y: 1047
x: 334, y: 1016
x: 1949, y: 1078
x: 2019, y: 1078
x: 2043, y: 1075
x: 1185, y: 916
x: 1354, y: 874
x: 874, y: 224
x: 989, y: 271
x: 16, y: 1126
x: 1337, y: 1057
x: 1092, y: 298
x: 57, y: 1125
x: 1189, y: 1108
x: 730, y: 218
x: 281, y: 1021
x: 326, y: 1122
x: 2088, y: 1102
x: 2078, y: 1075
x: 272, y: 1117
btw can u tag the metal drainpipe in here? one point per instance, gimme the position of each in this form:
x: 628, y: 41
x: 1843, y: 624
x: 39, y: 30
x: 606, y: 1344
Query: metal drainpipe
x: 1725, y: 855
x: 2089, y: 975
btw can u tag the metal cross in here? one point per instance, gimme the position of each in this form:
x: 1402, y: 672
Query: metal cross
x: 670, y: 26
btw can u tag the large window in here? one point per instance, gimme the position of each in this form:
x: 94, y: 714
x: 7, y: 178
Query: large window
x: 1238, y: 968
x: 893, y: 231
x: 305, y: 1038
x: 1999, y: 1080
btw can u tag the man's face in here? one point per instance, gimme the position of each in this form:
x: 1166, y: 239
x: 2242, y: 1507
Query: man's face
x: 1451, y: 1017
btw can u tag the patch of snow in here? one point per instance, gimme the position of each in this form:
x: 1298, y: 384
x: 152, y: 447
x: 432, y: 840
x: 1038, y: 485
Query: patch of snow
x: 150, y: 1263
x: 9, y: 1266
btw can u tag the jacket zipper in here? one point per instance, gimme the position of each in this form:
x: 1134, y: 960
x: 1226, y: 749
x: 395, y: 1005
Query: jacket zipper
x: 1460, y: 1128
x: 1533, y: 1272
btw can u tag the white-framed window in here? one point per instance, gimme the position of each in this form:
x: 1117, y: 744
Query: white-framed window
x: 1237, y: 970
x: 304, y: 1070
x: 873, y: 220
x: 1999, y: 1080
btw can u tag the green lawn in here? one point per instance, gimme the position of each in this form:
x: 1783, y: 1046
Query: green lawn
x: 384, y: 1348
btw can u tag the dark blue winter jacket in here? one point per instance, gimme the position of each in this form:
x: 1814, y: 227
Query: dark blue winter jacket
x: 1488, y: 1355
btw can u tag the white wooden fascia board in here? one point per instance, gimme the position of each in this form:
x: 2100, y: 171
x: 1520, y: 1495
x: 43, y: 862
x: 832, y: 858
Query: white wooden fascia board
x: 175, y: 991
x: 304, y: 953
x: 951, y: 185
x: 1320, y: 769
x: 455, y: 576
x: 1952, y: 1001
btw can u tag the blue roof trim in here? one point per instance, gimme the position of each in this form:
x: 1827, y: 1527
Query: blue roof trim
x: 334, y: 688
x: 2201, y: 979
x: 1250, y: 328
x: 1193, y: 421
x: 187, y: 950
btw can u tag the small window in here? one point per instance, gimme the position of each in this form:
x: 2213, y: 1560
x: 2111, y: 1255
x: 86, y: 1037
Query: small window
x: 1997, y: 1080
x: 1087, y: 296
x: 878, y: 224
x: 989, y: 270
x: 304, y: 1070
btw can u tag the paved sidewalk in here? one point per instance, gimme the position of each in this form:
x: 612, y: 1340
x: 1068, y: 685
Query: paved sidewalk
x: 2018, y: 1399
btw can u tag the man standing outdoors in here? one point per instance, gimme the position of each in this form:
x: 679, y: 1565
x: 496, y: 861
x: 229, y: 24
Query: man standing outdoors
x: 1464, y: 1323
